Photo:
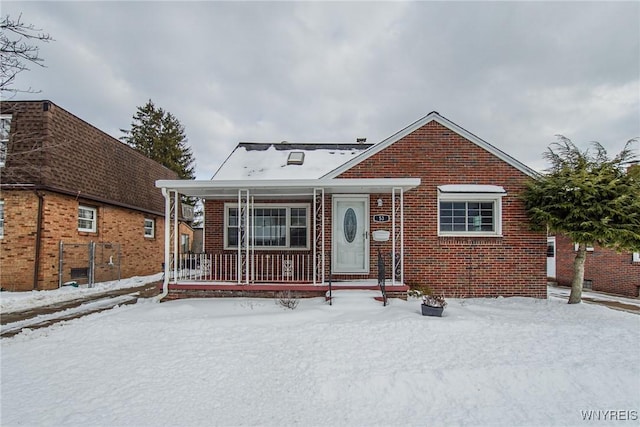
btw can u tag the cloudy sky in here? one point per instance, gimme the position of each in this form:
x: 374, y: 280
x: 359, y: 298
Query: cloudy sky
x: 515, y: 74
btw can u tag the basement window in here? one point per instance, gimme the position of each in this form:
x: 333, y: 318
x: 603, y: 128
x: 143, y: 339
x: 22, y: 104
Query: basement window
x: 79, y: 273
x: 295, y: 158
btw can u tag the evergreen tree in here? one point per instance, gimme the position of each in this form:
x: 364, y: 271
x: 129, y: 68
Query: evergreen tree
x: 589, y: 197
x: 160, y: 136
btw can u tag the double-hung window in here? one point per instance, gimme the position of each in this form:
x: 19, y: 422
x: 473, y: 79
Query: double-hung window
x: 271, y: 226
x: 5, y: 127
x: 470, y: 210
x: 87, y: 219
x: 149, y: 228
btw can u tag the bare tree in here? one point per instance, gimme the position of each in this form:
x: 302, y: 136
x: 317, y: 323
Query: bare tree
x: 18, y: 50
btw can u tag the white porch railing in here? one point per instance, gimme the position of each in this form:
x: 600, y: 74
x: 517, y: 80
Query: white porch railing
x: 263, y: 267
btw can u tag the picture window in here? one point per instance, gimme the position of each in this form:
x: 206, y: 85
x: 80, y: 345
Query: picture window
x: 271, y: 226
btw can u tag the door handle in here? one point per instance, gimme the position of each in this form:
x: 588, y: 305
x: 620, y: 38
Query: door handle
x: 366, y: 235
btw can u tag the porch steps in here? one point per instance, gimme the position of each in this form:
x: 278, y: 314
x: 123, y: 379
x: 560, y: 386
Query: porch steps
x: 218, y: 290
x: 353, y: 295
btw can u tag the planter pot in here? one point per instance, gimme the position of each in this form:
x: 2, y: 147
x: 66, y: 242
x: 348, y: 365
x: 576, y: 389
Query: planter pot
x: 428, y: 310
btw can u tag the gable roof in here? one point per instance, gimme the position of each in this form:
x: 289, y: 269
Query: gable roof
x: 433, y: 116
x: 255, y: 161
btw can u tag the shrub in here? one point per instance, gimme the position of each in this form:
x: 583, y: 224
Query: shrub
x: 287, y: 300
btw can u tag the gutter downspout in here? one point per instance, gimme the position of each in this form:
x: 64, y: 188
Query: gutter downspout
x: 36, y: 267
x: 167, y: 236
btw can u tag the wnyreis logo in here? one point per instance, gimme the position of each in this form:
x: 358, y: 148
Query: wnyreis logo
x: 609, y: 415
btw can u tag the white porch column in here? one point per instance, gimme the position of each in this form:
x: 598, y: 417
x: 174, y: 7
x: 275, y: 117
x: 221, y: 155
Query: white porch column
x: 397, y: 233
x: 318, y: 236
x: 176, y: 233
x: 170, y: 235
x: 244, y: 234
x: 167, y: 243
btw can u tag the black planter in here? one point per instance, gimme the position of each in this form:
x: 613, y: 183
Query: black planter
x: 428, y: 310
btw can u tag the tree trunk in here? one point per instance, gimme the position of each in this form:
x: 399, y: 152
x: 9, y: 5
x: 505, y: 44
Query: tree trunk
x: 578, y: 275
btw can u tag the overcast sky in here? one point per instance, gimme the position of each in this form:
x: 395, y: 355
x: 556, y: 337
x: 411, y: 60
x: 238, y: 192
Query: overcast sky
x: 514, y: 74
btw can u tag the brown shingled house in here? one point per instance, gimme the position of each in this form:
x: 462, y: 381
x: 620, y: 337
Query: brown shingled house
x: 63, y: 180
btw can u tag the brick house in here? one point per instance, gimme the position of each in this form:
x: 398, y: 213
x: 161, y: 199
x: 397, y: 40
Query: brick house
x: 434, y: 204
x: 605, y: 270
x: 64, y: 180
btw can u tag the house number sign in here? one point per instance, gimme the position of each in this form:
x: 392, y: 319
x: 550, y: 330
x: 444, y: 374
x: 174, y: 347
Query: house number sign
x: 381, y: 218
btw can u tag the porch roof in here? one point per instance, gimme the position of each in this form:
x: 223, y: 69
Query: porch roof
x: 212, y: 189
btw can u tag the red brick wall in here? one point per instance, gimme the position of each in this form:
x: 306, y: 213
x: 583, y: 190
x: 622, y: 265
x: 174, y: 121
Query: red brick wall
x: 608, y: 270
x: 514, y: 264
x: 139, y: 255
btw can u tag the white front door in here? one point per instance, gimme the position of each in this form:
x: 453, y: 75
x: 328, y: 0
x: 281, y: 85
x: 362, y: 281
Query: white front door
x: 551, y: 256
x: 350, y: 239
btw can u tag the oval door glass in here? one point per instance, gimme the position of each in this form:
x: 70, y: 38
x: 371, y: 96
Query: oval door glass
x: 350, y: 225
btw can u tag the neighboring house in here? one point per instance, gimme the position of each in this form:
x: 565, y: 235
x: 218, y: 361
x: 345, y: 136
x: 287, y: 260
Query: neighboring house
x: 605, y: 270
x: 63, y: 180
x: 197, y: 244
x: 438, y: 204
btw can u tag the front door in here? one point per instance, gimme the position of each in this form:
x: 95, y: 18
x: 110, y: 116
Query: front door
x: 350, y: 240
x: 551, y: 257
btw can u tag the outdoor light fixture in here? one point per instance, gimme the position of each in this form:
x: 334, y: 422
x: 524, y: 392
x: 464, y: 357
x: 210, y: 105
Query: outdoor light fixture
x: 379, y: 202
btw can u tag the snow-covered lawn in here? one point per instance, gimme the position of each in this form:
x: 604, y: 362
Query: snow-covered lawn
x: 505, y: 361
x: 18, y: 301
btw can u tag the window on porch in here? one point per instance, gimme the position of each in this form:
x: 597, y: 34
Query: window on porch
x: 272, y: 226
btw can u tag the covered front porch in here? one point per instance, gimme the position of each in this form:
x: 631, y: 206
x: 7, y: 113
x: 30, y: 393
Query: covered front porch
x: 346, y: 233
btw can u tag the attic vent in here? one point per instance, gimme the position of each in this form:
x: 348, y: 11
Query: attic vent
x: 295, y: 158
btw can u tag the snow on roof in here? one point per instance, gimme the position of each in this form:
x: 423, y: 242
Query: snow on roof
x: 269, y: 161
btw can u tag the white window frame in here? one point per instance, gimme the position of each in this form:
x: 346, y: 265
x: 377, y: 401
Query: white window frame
x: 149, y: 231
x: 589, y: 248
x: 1, y: 219
x: 288, y: 207
x: 185, y: 243
x: 635, y: 257
x: 472, y: 197
x: 4, y: 142
x: 94, y: 220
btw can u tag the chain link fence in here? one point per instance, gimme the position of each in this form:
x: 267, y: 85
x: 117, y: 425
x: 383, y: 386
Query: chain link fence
x: 88, y: 263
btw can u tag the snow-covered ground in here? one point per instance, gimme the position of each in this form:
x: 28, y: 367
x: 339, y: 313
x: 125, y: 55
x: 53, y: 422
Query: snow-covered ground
x: 18, y: 301
x: 505, y: 361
